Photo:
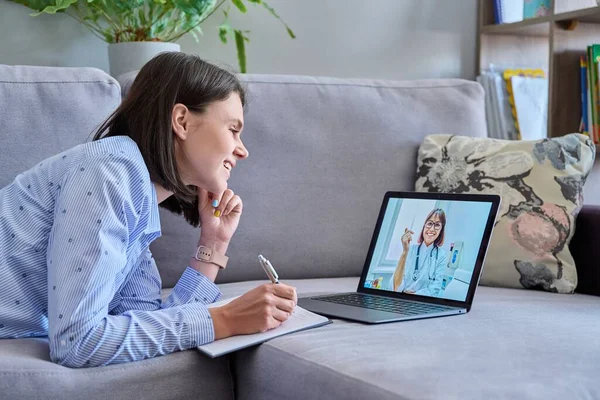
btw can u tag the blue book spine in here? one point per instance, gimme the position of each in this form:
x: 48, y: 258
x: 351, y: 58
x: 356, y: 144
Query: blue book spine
x: 584, y: 103
x: 497, y: 12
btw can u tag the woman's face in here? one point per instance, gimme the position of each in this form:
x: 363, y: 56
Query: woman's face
x: 431, y: 229
x: 208, y: 145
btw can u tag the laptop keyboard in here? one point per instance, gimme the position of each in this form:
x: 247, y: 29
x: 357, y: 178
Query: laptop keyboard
x: 388, y: 304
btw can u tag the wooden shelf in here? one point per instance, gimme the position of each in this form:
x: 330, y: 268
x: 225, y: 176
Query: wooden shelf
x: 540, y: 26
x: 591, y: 15
x: 528, y: 27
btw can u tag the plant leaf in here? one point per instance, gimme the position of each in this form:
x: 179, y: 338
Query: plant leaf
x: 195, y: 32
x: 60, y: 5
x: 272, y: 11
x: 240, y: 5
x: 194, y: 7
x: 37, y: 5
x: 290, y: 32
x: 224, y: 30
x: 255, y: 1
x: 241, y: 50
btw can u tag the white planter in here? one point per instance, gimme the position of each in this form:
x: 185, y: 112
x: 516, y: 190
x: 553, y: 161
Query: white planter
x: 130, y: 56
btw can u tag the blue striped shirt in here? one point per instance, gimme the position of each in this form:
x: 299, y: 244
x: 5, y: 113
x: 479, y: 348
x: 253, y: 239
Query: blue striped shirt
x: 75, y: 264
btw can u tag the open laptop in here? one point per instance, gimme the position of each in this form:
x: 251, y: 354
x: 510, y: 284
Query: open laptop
x: 424, y: 261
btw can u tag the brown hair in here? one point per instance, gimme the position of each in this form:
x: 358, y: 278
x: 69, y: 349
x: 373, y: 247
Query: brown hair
x: 439, y: 241
x: 145, y: 116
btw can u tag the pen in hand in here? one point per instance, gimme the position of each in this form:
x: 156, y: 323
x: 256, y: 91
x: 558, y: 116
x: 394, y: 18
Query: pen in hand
x: 269, y: 270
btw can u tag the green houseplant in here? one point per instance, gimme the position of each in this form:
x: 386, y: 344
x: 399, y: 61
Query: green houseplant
x: 162, y: 21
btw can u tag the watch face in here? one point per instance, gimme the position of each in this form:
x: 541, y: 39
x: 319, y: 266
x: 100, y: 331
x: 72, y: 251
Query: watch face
x: 203, y: 253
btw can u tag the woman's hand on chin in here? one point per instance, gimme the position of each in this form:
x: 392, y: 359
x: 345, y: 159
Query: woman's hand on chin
x: 219, y: 215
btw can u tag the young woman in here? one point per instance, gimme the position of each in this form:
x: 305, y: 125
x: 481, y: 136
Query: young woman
x: 421, y: 265
x: 75, y: 229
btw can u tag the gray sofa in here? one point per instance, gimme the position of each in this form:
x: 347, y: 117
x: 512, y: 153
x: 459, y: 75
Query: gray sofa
x: 323, y: 152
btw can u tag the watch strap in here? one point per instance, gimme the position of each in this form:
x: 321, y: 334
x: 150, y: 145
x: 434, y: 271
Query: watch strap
x: 206, y: 254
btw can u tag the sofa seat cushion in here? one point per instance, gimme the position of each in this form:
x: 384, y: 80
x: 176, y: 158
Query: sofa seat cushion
x: 512, y: 344
x: 26, y: 372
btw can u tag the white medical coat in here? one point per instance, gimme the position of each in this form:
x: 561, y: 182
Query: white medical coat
x: 432, y: 262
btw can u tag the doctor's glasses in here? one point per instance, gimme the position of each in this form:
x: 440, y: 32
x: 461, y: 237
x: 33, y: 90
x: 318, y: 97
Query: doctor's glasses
x: 431, y: 224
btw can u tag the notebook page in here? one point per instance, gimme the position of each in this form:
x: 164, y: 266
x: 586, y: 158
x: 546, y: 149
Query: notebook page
x: 299, y: 320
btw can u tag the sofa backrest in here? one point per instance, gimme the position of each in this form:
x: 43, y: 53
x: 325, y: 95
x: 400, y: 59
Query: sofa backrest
x: 45, y: 110
x: 322, y: 154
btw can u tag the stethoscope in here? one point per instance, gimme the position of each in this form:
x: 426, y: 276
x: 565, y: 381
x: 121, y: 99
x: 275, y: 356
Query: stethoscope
x: 415, y: 273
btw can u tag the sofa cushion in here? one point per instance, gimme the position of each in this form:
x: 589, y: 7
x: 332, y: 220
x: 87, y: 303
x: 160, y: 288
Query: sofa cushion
x: 27, y: 373
x: 46, y: 110
x: 541, y: 185
x: 513, y: 344
x: 323, y: 152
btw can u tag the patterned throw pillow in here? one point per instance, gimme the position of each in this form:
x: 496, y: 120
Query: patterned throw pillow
x: 541, y: 186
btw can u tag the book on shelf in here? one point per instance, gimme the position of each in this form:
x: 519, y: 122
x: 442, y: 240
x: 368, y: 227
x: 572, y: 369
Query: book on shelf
x: 536, y: 8
x: 590, y: 94
x: 516, y: 102
x: 508, y: 11
x: 584, y: 127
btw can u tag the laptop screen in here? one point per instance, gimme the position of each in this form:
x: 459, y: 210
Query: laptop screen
x: 428, y: 247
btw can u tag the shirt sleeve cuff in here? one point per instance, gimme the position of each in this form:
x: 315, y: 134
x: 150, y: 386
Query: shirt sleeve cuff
x: 199, y: 328
x: 193, y: 287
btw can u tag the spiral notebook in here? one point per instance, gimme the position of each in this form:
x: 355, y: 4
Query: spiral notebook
x: 300, y: 320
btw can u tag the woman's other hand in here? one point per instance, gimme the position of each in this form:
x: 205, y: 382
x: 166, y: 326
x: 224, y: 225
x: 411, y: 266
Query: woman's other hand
x: 262, y: 308
x: 218, y: 224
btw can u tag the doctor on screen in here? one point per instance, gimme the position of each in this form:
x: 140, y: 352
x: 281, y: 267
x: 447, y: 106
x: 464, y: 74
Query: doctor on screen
x: 421, y: 264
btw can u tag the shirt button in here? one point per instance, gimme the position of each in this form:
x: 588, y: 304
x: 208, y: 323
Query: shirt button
x: 62, y: 342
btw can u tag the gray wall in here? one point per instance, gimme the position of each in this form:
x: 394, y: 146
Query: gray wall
x: 388, y: 39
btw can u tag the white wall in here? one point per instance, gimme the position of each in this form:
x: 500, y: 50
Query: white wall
x: 388, y: 39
